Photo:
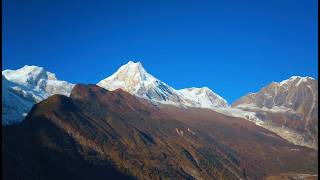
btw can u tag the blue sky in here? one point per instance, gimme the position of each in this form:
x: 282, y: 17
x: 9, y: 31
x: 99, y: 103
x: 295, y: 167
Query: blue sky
x: 232, y: 47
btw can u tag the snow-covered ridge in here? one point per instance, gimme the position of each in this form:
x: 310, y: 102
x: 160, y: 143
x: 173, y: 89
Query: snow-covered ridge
x: 31, y: 84
x: 133, y: 78
x: 203, y: 97
x: 252, y: 106
x: 294, y: 78
x: 26, y: 86
x: 28, y: 75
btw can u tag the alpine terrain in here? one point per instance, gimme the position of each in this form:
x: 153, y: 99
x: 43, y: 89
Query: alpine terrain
x: 26, y: 86
x: 100, y: 134
x: 131, y: 125
x: 289, y: 108
x: 133, y: 78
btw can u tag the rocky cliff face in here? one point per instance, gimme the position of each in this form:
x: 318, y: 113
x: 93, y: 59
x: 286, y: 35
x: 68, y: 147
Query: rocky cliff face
x: 297, y: 93
x: 291, y: 104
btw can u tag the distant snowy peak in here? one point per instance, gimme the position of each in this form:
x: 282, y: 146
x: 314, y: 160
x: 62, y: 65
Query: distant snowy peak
x: 203, y: 97
x: 296, y: 80
x: 37, y: 80
x: 291, y: 93
x: 24, y: 87
x: 288, y: 108
x: 28, y: 75
x: 133, y: 78
x: 129, y: 77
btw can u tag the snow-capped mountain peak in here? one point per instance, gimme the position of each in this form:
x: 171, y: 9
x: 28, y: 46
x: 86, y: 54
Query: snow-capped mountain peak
x: 28, y: 75
x: 32, y: 84
x: 130, y: 77
x: 133, y: 78
x: 24, y: 87
x: 132, y: 68
x: 203, y: 97
x: 289, y: 93
x: 297, y: 80
x: 293, y: 100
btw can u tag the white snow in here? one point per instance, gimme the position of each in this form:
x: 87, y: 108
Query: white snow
x: 252, y: 106
x: 203, y: 97
x: 236, y: 112
x: 25, y: 87
x: 133, y: 78
x: 294, y: 78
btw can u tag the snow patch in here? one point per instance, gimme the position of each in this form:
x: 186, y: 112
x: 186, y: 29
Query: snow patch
x: 276, y: 109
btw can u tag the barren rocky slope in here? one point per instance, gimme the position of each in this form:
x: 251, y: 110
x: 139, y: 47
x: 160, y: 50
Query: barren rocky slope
x: 288, y: 106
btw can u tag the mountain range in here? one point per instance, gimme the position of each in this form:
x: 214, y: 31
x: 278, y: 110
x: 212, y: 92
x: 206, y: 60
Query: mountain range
x: 101, y: 134
x: 288, y: 108
x: 131, y: 125
x: 291, y: 104
x: 26, y: 86
x: 133, y: 78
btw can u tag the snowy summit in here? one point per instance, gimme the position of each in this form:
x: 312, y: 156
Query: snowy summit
x: 133, y: 78
x: 26, y: 86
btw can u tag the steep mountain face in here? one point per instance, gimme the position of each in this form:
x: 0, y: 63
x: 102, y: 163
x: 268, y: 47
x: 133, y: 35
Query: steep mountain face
x: 14, y: 105
x: 290, y: 106
x: 296, y: 93
x: 100, y: 134
x: 203, y: 97
x: 133, y: 78
x: 26, y: 86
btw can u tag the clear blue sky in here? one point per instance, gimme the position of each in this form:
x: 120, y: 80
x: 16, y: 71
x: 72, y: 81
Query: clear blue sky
x: 233, y: 47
